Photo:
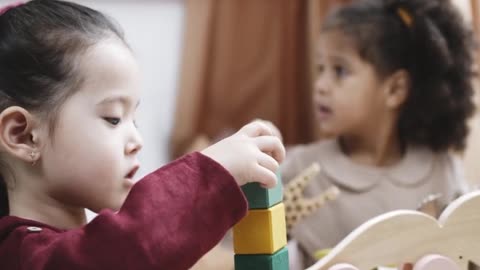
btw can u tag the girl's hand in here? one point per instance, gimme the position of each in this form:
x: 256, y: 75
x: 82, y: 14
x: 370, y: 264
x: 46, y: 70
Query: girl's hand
x: 252, y: 154
x: 273, y: 128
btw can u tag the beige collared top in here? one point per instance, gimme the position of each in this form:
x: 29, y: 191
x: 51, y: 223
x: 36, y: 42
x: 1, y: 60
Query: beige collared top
x: 366, y: 191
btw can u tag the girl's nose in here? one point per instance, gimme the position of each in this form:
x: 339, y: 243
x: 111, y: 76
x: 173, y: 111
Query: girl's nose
x: 135, y: 144
x: 321, y: 85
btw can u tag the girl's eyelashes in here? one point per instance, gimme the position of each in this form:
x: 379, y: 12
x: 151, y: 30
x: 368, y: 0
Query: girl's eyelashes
x: 112, y: 120
x: 320, y: 68
x: 340, y: 71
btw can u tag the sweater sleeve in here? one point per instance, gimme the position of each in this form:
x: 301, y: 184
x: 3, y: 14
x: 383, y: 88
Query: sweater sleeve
x: 169, y: 220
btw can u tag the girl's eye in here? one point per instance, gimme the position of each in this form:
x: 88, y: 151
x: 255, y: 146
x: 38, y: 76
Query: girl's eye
x: 340, y: 71
x: 112, y: 120
x: 320, y: 68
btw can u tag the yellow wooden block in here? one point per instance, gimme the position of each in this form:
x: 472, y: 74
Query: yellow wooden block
x: 262, y: 231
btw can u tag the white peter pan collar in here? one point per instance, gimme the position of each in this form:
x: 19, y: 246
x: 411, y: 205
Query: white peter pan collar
x: 411, y: 171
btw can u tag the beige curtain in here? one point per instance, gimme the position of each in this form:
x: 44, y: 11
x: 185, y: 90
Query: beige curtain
x: 243, y: 60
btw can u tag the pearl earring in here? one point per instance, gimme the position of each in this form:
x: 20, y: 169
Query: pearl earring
x: 32, y: 157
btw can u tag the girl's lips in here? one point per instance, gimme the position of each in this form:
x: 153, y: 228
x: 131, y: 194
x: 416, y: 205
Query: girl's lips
x: 129, y: 181
x: 132, y: 172
x: 323, y: 112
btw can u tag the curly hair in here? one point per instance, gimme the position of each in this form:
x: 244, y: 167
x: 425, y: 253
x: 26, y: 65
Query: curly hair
x: 430, y: 40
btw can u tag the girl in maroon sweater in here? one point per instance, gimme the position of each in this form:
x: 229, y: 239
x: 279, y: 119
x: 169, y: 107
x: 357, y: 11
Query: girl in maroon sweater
x: 69, y: 88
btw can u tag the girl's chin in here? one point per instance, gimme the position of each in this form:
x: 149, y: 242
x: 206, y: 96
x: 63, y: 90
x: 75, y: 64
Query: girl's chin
x: 113, y: 206
x: 129, y: 182
x: 326, y: 131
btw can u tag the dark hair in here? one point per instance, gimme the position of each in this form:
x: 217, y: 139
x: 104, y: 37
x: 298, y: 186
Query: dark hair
x: 433, y: 44
x: 39, y: 42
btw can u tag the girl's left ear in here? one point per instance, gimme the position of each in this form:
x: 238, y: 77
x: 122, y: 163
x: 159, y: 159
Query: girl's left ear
x: 19, y: 134
x: 398, y: 89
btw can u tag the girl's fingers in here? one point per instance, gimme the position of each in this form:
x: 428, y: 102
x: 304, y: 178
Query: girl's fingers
x: 275, y: 131
x: 272, y: 146
x: 265, y: 177
x: 268, y: 162
x: 255, y: 129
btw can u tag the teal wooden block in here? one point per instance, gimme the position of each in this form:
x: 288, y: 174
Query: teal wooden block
x: 262, y: 198
x: 277, y: 261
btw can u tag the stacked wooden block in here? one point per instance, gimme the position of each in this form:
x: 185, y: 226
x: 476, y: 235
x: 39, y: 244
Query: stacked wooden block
x: 260, y: 238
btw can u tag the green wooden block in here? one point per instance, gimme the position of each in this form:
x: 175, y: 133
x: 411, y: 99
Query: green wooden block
x: 277, y: 261
x: 263, y: 198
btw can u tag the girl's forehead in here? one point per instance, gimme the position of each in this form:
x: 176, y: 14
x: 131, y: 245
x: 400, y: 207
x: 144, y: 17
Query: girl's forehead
x: 109, y: 66
x: 335, y: 44
x: 108, y: 58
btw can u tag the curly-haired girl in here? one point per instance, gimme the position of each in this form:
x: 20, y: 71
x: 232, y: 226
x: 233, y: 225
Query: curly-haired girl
x: 394, y: 90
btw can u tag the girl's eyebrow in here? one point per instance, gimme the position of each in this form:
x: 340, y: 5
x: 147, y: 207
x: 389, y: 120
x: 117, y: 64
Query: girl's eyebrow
x: 338, y: 58
x: 334, y: 57
x: 118, y: 99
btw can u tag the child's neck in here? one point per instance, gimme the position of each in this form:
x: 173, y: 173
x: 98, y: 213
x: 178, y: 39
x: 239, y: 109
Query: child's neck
x: 46, y: 210
x: 377, y: 151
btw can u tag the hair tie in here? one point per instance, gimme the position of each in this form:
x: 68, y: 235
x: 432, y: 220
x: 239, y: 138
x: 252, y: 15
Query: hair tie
x: 405, y: 16
x: 6, y: 8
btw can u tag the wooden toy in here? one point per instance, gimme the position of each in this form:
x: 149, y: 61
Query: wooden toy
x: 260, y: 238
x: 276, y: 261
x: 298, y: 207
x: 452, y: 242
x: 262, y: 231
x: 262, y: 198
